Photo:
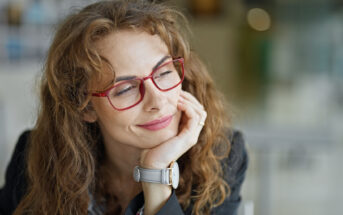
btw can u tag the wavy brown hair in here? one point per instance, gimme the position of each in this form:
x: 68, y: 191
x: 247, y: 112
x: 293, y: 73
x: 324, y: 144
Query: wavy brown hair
x: 65, y: 153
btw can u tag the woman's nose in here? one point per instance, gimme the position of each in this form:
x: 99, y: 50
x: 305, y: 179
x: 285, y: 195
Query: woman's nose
x: 154, y: 99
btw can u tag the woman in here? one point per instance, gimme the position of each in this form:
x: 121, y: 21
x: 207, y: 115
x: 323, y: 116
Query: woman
x: 122, y: 94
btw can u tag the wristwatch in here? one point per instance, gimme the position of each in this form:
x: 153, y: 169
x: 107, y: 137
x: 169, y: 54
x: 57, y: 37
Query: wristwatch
x: 168, y: 176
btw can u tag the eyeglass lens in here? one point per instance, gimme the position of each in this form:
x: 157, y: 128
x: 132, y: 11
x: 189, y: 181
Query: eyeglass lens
x: 127, y: 93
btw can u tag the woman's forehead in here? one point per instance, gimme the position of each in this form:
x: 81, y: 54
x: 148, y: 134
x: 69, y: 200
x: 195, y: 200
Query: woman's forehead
x: 132, y: 51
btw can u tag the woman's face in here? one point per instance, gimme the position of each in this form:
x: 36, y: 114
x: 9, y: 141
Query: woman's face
x: 135, y: 53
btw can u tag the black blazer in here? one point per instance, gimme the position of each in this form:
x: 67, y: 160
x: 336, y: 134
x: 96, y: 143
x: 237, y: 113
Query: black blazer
x: 234, y: 168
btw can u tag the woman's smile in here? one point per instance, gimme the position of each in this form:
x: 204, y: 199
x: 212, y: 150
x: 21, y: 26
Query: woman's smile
x: 157, y: 124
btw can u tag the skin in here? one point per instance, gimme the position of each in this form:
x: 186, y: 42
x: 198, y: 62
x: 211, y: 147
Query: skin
x: 133, y: 52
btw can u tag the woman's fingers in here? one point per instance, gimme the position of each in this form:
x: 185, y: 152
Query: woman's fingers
x: 191, y: 125
x: 186, y: 95
x: 194, y: 112
x: 190, y: 114
x: 195, y: 118
x: 189, y: 99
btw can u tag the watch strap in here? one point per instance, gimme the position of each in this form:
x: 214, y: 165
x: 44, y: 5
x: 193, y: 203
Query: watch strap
x: 169, y: 176
x: 160, y: 176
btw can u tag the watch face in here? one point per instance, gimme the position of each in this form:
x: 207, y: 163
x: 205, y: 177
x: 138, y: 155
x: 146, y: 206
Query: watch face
x: 175, y: 176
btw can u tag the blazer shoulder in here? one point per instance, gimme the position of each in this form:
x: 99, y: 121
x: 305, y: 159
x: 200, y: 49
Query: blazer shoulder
x: 20, y: 150
x: 22, y: 142
x: 238, y: 148
x: 235, y: 165
x: 15, y: 177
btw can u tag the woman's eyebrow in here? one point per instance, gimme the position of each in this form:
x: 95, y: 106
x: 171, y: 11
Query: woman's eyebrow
x: 130, y: 77
x: 160, y: 62
x: 124, y: 78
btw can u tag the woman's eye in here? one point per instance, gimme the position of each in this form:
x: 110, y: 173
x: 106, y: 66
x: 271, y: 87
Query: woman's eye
x: 124, y: 91
x: 161, y: 74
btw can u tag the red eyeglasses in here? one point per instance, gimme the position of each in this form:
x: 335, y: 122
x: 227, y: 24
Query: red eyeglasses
x: 128, y: 93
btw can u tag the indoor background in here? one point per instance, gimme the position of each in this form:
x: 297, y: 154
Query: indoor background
x: 278, y: 62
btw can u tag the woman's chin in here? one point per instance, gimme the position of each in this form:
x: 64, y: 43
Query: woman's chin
x: 158, y: 138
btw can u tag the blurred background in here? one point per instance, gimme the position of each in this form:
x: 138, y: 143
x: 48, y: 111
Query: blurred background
x: 278, y: 62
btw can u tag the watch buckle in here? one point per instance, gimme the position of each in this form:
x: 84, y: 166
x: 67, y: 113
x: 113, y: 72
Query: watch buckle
x: 170, y: 170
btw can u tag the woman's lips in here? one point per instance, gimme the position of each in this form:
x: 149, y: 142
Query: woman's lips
x: 158, y: 124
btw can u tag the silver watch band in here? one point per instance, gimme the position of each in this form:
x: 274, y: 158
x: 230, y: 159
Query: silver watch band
x: 169, y: 176
x: 160, y: 176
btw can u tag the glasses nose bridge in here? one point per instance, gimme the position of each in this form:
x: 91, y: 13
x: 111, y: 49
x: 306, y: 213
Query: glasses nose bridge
x: 149, y: 77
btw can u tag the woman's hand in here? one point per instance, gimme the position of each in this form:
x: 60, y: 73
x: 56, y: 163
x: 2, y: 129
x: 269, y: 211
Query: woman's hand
x: 192, y: 122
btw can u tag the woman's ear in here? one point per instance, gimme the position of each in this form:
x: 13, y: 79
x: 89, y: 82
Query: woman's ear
x: 90, y: 116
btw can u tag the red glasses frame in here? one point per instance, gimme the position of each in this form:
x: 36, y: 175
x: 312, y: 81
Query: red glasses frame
x: 141, y: 85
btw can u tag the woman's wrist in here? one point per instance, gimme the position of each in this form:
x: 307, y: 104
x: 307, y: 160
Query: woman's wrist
x: 155, y: 196
x: 153, y: 164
